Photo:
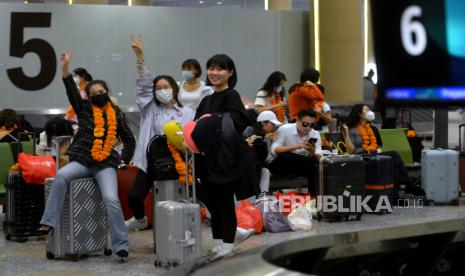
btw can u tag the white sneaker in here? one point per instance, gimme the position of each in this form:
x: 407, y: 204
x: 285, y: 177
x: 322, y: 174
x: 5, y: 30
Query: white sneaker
x: 243, y: 234
x: 133, y: 224
x: 226, y: 250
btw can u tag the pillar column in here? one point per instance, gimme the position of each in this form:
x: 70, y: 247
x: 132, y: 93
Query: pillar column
x: 279, y: 5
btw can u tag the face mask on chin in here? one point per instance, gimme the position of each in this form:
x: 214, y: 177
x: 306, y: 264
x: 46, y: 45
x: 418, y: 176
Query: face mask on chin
x: 77, y: 80
x: 279, y: 88
x: 164, y: 95
x: 100, y: 100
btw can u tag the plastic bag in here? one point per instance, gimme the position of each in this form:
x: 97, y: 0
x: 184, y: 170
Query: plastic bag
x: 292, y: 200
x: 300, y: 219
x: 273, y: 219
x: 249, y: 216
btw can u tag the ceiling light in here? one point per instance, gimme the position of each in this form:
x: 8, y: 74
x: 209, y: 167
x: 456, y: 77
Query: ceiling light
x: 201, y: 2
x: 219, y: 3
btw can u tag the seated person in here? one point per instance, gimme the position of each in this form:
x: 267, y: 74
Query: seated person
x: 10, y: 126
x: 271, y: 96
x: 296, y: 148
x: 361, y: 137
x: 305, y: 94
x: 55, y: 127
x: 261, y: 141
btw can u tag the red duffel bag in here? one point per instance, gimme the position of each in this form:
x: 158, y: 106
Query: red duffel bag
x: 35, y: 169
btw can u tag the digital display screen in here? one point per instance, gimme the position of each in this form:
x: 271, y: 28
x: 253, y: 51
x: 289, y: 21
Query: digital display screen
x: 420, y: 51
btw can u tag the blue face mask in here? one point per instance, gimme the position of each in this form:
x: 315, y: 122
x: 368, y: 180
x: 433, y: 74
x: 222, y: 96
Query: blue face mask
x: 187, y: 75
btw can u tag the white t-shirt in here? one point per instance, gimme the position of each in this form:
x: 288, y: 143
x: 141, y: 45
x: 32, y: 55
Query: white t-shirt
x: 262, y: 99
x: 287, y: 134
x: 191, y: 99
x: 326, y: 107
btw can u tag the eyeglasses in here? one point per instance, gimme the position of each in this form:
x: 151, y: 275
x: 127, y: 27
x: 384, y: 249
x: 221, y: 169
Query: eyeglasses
x: 307, y: 124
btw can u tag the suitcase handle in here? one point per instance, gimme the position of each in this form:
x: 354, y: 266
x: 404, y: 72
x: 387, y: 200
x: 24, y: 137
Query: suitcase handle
x: 194, y: 199
x: 460, y: 136
x: 57, y: 142
x: 34, y: 141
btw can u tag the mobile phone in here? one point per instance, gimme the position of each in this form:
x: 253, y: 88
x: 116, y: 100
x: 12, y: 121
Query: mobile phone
x: 312, y: 140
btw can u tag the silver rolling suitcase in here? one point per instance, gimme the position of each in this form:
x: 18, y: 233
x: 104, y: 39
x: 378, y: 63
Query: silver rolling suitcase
x: 83, y: 223
x: 440, y: 176
x: 177, y: 224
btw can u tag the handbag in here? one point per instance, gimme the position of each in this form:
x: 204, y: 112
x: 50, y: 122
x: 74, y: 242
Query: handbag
x: 35, y: 169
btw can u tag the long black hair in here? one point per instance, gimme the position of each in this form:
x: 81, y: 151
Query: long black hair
x: 226, y: 63
x: 58, y: 126
x: 273, y: 81
x: 354, y: 117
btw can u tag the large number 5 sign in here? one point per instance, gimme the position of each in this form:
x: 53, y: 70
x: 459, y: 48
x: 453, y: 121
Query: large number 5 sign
x: 19, y: 48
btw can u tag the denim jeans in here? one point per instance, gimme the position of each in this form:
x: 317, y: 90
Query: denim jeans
x: 107, y: 182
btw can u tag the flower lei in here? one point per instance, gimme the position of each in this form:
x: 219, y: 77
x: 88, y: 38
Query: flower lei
x: 100, y: 149
x: 411, y: 133
x: 10, y: 128
x: 179, y: 164
x: 368, y: 137
x: 279, y: 111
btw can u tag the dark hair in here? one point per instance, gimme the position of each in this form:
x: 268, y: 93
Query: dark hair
x: 354, y: 116
x: 224, y: 62
x: 9, y: 118
x: 83, y: 73
x: 306, y: 112
x: 58, y: 127
x: 173, y: 85
x: 194, y: 64
x: 321, y: 87
x: 273, y: 81
x: 101, y: 82
x: 310, y: 74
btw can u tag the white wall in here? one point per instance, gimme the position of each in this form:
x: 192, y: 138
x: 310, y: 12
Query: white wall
x: 260, y: 42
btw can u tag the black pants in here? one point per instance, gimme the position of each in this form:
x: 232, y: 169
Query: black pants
x: 220, y: 202
x: 298, y: 165
x: 139, y: 191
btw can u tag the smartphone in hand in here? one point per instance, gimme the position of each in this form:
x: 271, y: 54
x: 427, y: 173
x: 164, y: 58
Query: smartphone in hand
x: 312, y: 141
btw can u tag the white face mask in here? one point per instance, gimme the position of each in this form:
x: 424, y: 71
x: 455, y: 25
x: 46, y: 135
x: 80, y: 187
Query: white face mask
x: 279, y: 88
x: 77, y: 80
x: 370, y: 116
x: 187, y: 75
x: 164, y: 95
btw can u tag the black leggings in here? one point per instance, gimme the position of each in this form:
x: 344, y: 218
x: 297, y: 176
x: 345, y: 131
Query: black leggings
x: 139, y: 191
x: 220, y: 202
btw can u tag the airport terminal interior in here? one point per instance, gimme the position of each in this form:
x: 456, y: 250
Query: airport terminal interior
x: 371, y: 91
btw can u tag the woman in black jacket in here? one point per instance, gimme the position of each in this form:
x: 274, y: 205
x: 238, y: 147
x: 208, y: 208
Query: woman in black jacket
x: 92, y: 154
x: 219, y: 188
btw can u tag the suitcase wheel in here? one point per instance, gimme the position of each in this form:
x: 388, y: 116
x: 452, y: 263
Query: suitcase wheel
x: 157, y: 263
x: 454, y: 202
x: 107, y: 252
x: 7, y: 236
x: 49, y: 255
x: 74, y: 257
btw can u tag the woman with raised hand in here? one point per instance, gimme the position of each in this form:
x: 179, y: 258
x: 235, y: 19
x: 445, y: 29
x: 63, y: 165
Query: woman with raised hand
x: 157, y: 99
x: 92, y: 154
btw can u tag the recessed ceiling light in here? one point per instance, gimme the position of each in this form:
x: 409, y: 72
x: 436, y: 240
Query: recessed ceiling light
x: 219, y: 3
x: 201, y: 2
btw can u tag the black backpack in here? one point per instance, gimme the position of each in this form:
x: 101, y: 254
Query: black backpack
x: 160, y: 163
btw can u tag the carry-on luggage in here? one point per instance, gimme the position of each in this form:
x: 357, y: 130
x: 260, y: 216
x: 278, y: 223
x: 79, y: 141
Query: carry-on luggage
x: 126, y: 177
x: 25, y: 205
x: 83, y: 225
x: 379, y: 181
x: 340, y: 177
x: 440, y: 176
x: 177, y: 227
x: 461, y: 161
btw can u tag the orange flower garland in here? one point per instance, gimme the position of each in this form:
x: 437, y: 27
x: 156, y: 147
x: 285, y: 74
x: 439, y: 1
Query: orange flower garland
x: 368, y: 137
x: 180, y: 165
x: 411, y: 133
x: 100, y: 149
x: 10, y: 128
x: 279, y: 111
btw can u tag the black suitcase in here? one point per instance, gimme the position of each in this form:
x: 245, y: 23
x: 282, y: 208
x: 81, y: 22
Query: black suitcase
x: 379, y: 181
x: 25, y: 206
x: 341, y: 177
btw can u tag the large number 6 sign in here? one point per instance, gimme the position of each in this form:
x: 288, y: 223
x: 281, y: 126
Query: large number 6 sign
x: 410, y: 29
x: 19, y: 48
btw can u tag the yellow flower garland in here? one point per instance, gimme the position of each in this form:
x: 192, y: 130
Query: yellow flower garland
x: 368, y: 137
x: 101, y: 150
x: 180, y: 164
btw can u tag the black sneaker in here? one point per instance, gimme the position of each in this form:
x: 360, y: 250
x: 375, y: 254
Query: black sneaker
x: 122, y: 253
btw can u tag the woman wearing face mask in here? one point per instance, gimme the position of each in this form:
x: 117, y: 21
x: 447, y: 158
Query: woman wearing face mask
x: 157, y: 99
x: 92, y: 154
x: 191, y: 89
x: 81, y: 78
x: 361, y: 137
x: 271, y: 96
x: 219, y: 197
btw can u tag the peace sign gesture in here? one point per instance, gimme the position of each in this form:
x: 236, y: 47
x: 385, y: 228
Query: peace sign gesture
x: 136, y: 44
